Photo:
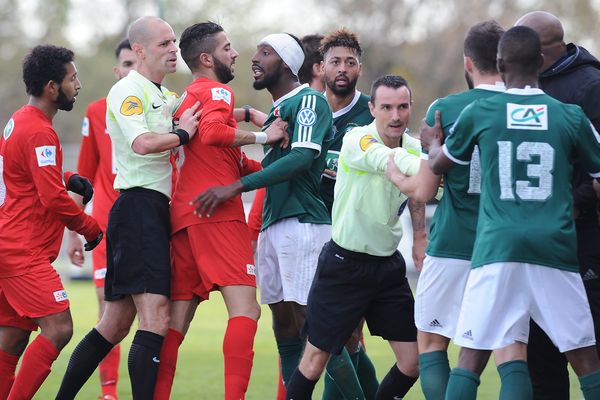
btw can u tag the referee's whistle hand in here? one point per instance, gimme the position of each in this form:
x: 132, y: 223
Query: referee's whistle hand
x: 206, y: 203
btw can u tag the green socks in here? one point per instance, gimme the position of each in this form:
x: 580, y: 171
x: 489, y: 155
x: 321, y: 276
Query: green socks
x: 290, y: 351
x: 366, y: 372
x: 462, y: 385
x: 341, y: 381
x: 590, y: 385
x: 515, y: 381
x: 434, y: 370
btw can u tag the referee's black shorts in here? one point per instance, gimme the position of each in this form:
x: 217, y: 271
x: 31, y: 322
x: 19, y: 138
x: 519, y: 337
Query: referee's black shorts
x: 349, y: 286
x: 137, y: 245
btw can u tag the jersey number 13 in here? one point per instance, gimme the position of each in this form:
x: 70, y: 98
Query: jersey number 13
x: 541, y: 171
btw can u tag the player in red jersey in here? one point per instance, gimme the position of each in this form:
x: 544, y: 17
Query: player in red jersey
x: 96, y: 161
x: 34, y: 210
x: 213, y: 254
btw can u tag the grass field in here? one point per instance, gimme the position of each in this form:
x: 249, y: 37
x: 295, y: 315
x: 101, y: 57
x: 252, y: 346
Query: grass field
x: 200, y: 368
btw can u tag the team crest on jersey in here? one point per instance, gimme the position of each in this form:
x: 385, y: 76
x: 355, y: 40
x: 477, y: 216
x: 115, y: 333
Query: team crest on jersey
x: 306, y: 117
x: 530, y: 117
x: 85, y: 127
x: 132, y: 105
x: 8, y: 129
x: 60, y: 295
x: 366, y: 142
x: 250, y: 269
x: 276, y: 112
x: 46, y: 155
x: 221, y: 94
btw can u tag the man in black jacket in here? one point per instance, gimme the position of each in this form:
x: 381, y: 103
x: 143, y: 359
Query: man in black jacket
x: 572, y: 75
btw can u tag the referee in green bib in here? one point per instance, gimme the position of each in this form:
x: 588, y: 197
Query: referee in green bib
x: 360, y: 273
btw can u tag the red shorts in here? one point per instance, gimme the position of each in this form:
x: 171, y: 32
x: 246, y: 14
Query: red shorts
x: 207, y: 256
x: 99, y: 264
x: 38, y: 293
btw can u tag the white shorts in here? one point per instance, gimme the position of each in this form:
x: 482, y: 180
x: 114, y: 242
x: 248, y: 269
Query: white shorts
x: 500, y: 299
x: 287, y: 256
x: 440, y: 290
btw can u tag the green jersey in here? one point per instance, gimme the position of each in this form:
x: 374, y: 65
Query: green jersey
x: 355, y: 114
x: 526, y: 143
x: 309, y: 126
x: 455, y: 219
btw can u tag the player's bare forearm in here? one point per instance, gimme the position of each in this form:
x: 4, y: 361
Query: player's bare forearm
x: 417, y: 216
x: 207, y: 202
x: 419, y: 188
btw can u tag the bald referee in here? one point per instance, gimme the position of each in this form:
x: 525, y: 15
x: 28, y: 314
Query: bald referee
x: 138, y: 260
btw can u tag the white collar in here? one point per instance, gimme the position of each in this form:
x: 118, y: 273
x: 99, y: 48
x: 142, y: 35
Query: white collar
x: 526, y: 91
x: 344, y: 110
x: 497, y: 87
x: 289, y: 94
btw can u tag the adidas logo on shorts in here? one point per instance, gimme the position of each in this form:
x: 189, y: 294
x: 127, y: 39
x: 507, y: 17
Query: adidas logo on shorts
x: 60, y: 295
x: 435, y: 324
x: 468, y: 335
x: 589, y: 275
x: 250, y: 269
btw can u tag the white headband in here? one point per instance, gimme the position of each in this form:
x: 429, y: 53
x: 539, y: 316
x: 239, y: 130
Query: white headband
x: 288, y: 49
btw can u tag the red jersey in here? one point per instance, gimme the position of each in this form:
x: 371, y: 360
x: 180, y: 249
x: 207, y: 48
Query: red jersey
x: 255, y: 215
x: 206, y: 160
x: 96, y: 160
x: 34, y: 204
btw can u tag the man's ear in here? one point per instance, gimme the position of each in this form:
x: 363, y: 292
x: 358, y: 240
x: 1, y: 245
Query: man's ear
x: 52, y: 89
x: 501, y: 66
x: 206, y: 60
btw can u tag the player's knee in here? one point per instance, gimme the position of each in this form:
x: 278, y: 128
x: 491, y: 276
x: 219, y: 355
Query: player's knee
x: 409, y: 367
x: 312, y: 367
x: 254, y: 311
x: 59, y: 335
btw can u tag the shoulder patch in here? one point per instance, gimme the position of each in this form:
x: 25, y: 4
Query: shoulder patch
x: 132, y: 105
x: 8, y: 129
x: 85, y: 127
x: 46, y: 155
x: 367, y: 141
x: 307, y: 115
x: 221, y: 94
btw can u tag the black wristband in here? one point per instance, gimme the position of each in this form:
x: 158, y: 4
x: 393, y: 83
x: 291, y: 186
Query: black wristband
x: 184, y: 137
x: 246, y: 113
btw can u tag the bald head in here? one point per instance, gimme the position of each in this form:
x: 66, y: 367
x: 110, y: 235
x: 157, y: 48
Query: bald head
x: 551, y: 34
x: 142, y: 29
x: 547, y: 26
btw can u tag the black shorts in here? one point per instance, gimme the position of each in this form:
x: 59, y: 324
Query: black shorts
x: 137, y: 245
x: 349, y: 286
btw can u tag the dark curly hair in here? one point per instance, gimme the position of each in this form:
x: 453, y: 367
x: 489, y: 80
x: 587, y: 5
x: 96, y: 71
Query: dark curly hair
x: 342, y: 37
x: 43, y: 64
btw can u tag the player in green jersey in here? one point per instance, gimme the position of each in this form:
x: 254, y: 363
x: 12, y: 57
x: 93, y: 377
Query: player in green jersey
x: 524, y: 258
x: 296, y: 223
x: 447, y: 264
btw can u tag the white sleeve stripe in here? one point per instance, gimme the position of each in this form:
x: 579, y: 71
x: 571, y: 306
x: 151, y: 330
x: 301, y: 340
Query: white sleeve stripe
x: 308, y: 145
x: 454, y: 159
x: 594, y: 174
